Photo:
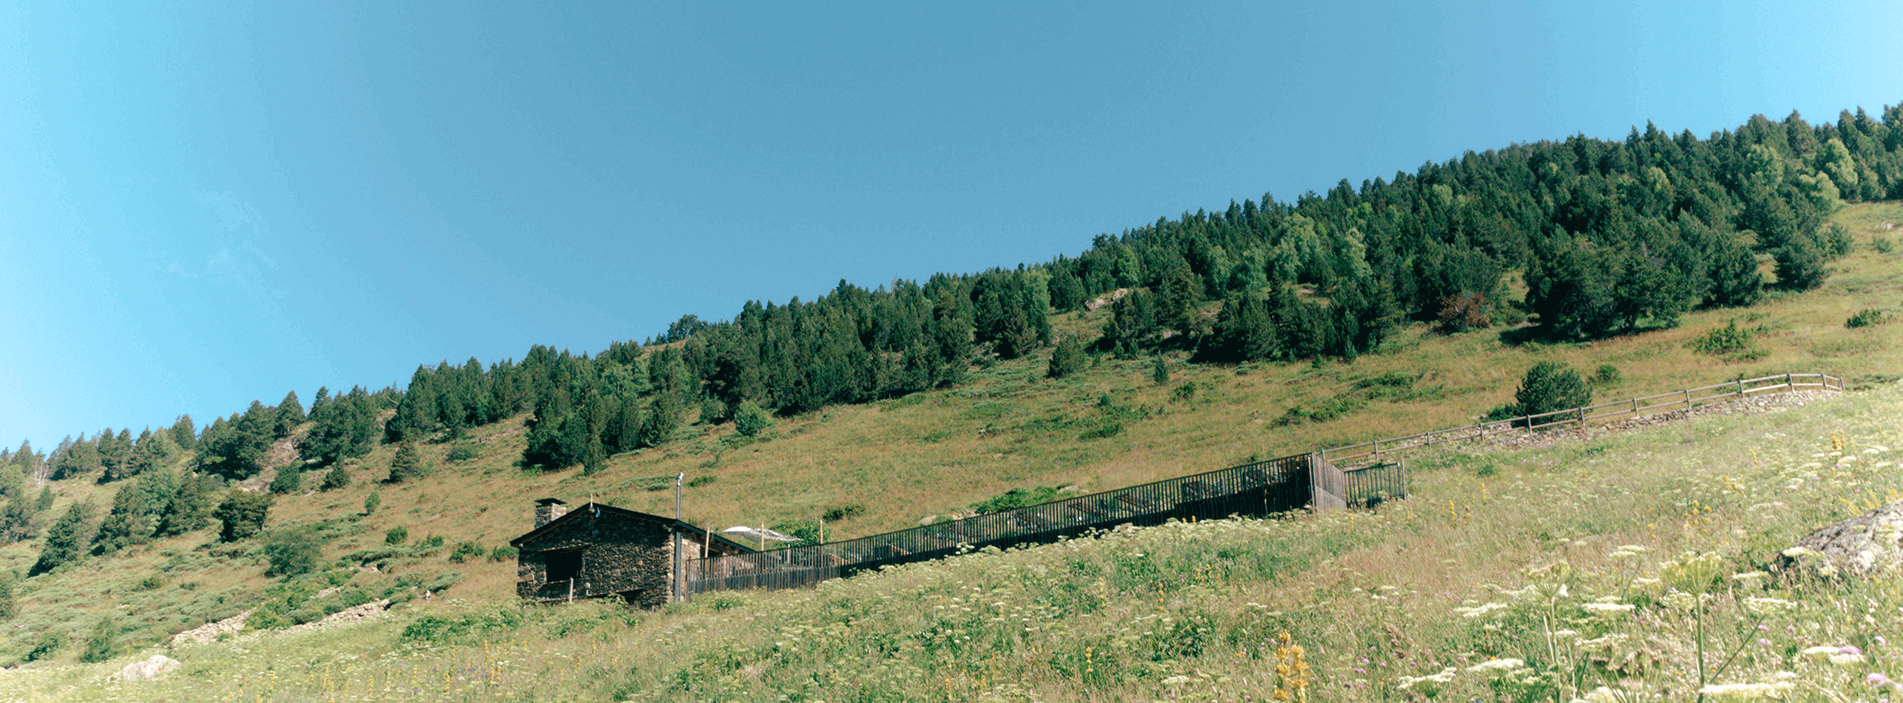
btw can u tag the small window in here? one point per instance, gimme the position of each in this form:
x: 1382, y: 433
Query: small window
x: 563, y: 565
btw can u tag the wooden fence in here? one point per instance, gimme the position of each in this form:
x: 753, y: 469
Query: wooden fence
x: 1686, y: 399
x: 1303, y: 481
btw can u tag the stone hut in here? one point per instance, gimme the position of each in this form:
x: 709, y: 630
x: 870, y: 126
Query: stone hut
x: 600, y: 550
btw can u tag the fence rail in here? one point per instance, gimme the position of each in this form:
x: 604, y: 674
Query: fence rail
x: 1685, y: 399
x: 1258, y: 488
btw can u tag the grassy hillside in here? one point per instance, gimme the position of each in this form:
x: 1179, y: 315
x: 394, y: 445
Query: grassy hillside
x: 936, y: 453
x: 1571, y: 560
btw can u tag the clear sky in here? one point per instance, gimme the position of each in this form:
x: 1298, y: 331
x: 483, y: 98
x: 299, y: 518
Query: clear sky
x: 206, y: 203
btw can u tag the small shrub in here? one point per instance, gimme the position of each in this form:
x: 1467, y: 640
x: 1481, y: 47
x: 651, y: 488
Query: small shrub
x: 292, y: 553
x: 1017, y: 498
x: 463, y: 452
x: 1160, y: 371
x: 103, y: 644
x: 372, y: 501
x: 46, y: 646
x: 1729, y: 339
x: 841, y: 512
x: 150, y: 583
x: 1184, y: 392
x: 1550, y: 387
x: 465, y: 551
x: 702, y: 480
x: 503, y: 553
x: 1866, y: 318
x: 1882, y: 245
x: 1607, y: 374
x: 1067, y: 359
x: 750, y: 419
x: 1461, y: 312
x: 289, y: 480
x: 337, y: 477
x: 712, y: 412
x: 1104, y: 431
x: 396, y: 535
x: 242, y: 514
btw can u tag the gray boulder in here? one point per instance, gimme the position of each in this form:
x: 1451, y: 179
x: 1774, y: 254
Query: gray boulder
x: 1860, y: 546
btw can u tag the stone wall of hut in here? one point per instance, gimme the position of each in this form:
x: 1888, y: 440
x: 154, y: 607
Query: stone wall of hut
x: 633, y: 558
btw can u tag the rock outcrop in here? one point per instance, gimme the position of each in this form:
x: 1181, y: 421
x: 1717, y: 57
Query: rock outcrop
x: 146, y: 670
x: 211, y: 631
x: 1860, y: 546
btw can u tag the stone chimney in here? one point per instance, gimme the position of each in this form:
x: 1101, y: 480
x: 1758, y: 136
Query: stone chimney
x: 547, y: 509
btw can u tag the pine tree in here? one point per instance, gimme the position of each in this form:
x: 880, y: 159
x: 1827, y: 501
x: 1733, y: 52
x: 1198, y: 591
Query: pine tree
x: 1067, y: 358
x: 191, y: 506
x: 184, y: 433
x: 66, y: 540
x: 407, y: 465
x: 663, y: 420
x: 337, y: 477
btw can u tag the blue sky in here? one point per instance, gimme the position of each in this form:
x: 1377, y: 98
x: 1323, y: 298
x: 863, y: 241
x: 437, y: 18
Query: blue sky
x: 202, y: 204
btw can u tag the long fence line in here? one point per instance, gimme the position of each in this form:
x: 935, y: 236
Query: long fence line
x: 1289, y: 483
x: 1685, y: 399
x: 1259, y: 488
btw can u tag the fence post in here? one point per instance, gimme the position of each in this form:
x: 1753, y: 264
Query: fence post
x: 1688, y: 400
x: 1740, y: 389
x: 1635, y: 407
x: 1789, y: 383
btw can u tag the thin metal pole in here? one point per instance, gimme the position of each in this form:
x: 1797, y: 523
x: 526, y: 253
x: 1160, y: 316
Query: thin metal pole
x: 680, y: 584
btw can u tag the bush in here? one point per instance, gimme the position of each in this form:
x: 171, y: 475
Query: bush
x: 103, y: 644
x: 1607, y: 373
x: 334, y: 479
x: 1018, y: 498
x: 465, y: 551
x: 463, y: 452
x: 1068, y: 358
x: 837, y: 513
x: 750, y: 419
x: 699, y: 481
x: 503, y: 553
x: 396, y: 535
x: 1865, y: 318
x: 1160, y: 371
x: 1882, y: 245
x: 1550, y: 387
x: 44, y: 647
x: 242, y: 514
x: 370, y: 502
x: 289, y: 480
x: 292, y: 553
x: 1720, y: 341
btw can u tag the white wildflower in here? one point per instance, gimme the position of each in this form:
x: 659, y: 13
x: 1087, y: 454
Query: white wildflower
x: 1765, y: 607
x: 1820, y: 652
x: 1749, y: 577
x: 1479, y: 611
x: 1608, y: 610
x: 1744, y: 691
x: 1445, y: 675
x: 1496, y: 665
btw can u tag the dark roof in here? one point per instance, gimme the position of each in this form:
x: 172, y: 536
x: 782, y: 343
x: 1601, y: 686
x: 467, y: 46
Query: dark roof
x: 602, y: 508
